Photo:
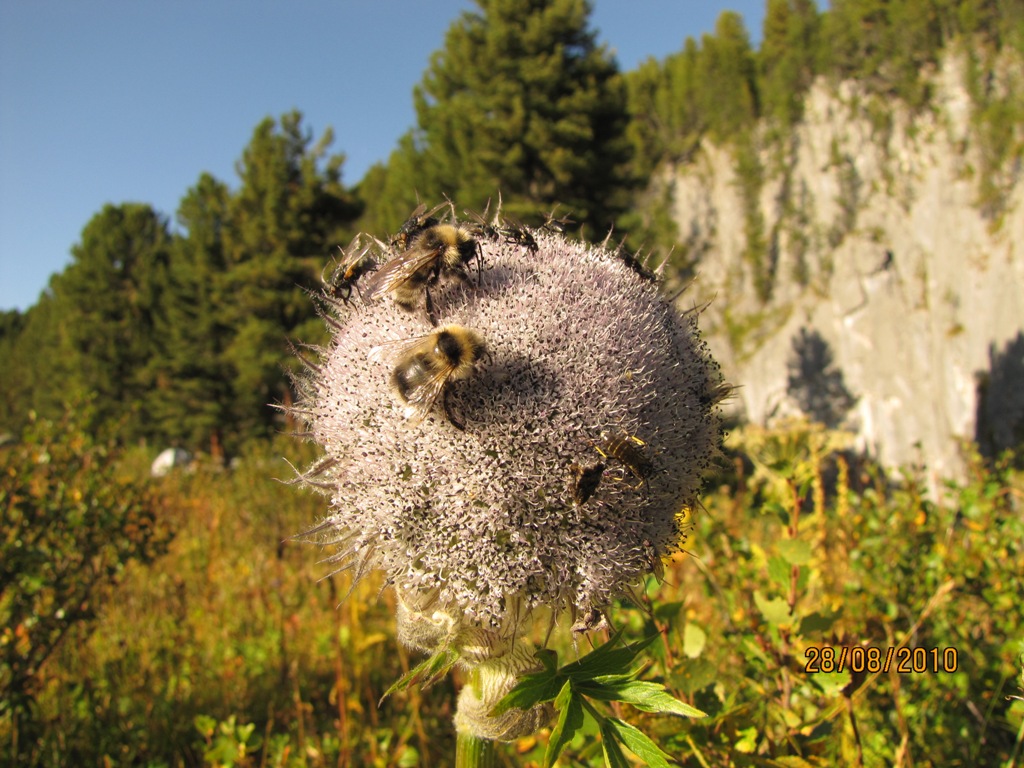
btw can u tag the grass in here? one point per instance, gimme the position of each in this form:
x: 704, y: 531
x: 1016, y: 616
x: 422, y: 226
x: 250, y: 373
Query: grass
x: 231, y: 649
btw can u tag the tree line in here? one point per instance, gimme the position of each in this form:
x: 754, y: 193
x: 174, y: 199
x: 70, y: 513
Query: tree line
x: 179, y: 335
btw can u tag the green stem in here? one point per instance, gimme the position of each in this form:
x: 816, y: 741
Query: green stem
x: 474, y: 752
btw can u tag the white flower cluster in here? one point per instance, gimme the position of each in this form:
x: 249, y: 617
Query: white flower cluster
x: 556, y: 473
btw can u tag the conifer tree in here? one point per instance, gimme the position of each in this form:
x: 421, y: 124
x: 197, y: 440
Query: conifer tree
x: 288, y: 214
x: 192, y: 375
x: 105, y: 308
x: 522, y: 98
x: 728, y: 78
x: 787, y: 57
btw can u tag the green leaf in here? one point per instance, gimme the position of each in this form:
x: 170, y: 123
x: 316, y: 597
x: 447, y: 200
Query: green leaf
x: 531, y: 690
x: 668, y: 611
x: 548, y: 659
x: 205, y: 724
x: 795, y: 551
x: 779, y: 571
x: 605, y: 660
x: 610, y: 740
x: 645, y: 696
x: 426, y: 672
x: 818, y: 622
x: 831, y: 683
x: 694, y: 640
x: 747, y: 742
x: 774, y: 611
x: 570, y: 719
x: 640, y: 744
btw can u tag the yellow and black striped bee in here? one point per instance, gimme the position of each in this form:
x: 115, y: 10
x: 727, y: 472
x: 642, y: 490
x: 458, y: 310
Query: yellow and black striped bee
x: 630, y: 451
x: 356, y: 260
x: 425, y: 366
x: 433, y: 252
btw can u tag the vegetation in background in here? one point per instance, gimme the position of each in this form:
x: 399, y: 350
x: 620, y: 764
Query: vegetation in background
x: 72, y: 519
x: 227, y: 650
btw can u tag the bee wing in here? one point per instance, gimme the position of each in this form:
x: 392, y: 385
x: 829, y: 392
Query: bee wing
x: 390, y: 351
x: 398, y: 270
x: 421, y: 398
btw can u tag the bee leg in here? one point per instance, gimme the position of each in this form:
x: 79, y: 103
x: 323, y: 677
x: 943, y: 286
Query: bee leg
x: 455, y: 421
x: 431, y: 315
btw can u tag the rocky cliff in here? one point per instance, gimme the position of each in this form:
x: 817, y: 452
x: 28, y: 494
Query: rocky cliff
x: 860, y: 279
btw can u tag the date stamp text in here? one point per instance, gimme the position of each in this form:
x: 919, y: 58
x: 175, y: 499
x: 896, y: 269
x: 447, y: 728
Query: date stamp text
x: 859, y: 658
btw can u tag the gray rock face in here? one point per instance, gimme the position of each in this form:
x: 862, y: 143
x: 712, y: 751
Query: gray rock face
x: 897, y: 307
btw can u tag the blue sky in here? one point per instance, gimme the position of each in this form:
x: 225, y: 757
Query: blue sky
x: 130, y: 100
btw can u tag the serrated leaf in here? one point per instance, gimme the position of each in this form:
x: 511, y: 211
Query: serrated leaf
x: 427, y: 672
x: 645, y: 696
x: 774, y: 611
x: 531, y: 690
x: 570, y: 719
x: 607, y: 661
x: 640, y: 744
x: 613, y: 757
x: 795, y: 551
x: 652, y: 697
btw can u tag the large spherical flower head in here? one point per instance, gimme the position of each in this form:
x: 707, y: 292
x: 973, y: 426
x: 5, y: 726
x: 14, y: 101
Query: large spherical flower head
x: 586, y: 364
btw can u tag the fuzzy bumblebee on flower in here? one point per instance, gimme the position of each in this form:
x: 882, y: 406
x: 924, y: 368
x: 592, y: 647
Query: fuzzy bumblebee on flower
x: 513, y: 424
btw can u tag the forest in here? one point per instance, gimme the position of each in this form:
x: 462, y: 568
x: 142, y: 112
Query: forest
x: 175, y: 622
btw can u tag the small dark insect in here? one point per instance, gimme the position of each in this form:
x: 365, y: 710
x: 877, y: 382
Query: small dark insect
x: 502, y: 228
x: 589, y: 621
x: 629, y: 451
x: 632, y: 260
x: 514, y: 231
x: 433, y: 251
x: 418, y: 221
x: 356, y: 260
x: 585, y: 478
x: 483, y: 228
x: 551, y: 224
x: 424, y: 367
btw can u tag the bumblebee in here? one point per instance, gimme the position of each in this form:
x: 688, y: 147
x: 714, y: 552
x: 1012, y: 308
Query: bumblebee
x: 425, y: 366
x: 629, y: 451
x: 434, y: 251
x: 356, y: 260
x: 585, y: 479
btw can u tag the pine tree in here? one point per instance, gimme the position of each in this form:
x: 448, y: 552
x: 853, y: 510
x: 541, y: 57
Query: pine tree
x: 787, y: 57
x: 523, y: 100
x: 192, y: 375
x: 727, y: 76
x: 282, y: 224
x: 105, y: 306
